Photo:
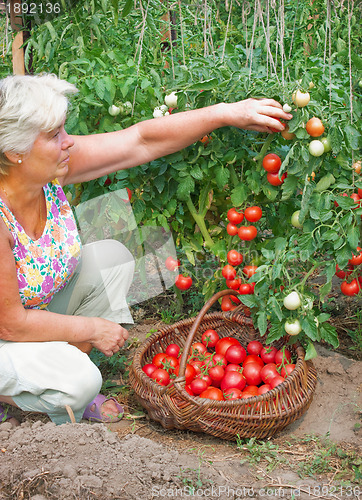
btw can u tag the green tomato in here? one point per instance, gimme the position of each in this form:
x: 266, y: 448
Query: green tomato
x: 292, y: 301
x: 293, y: 327
x: 295, y: 220
x: 316, y: 148
x: 326, y: 144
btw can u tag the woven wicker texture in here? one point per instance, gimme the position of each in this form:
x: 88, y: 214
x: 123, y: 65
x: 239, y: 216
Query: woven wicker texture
x: 259, y: 416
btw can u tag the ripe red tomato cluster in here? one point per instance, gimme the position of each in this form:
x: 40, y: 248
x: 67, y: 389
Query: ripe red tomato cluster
x: 354, y: 286
x: 182, y: 282
x: 245, y: 233
x: 272, y: 164
x: 222, y: 369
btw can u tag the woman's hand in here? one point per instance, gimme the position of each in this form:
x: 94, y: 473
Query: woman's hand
x: 108, y: 337
x: 255, y: 114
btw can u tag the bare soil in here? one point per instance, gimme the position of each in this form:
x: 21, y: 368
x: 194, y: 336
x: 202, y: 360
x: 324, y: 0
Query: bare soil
x: 317, y: 456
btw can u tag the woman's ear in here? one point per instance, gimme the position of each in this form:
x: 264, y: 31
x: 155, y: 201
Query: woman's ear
x: 13, y: 157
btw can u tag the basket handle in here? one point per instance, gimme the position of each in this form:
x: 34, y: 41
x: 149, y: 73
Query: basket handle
x: 196, y: 325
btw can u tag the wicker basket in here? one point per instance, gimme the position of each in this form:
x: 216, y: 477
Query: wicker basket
x: 259, y: 416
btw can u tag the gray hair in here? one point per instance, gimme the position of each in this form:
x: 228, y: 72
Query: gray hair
x: 29, y: 105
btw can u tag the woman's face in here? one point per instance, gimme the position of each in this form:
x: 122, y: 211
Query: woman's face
x: 49, y: 156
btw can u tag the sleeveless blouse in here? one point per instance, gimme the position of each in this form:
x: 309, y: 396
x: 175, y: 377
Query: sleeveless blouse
x: 45, y: 265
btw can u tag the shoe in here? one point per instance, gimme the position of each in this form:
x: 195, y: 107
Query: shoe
x: 94, y: 415
x: 5, y: 416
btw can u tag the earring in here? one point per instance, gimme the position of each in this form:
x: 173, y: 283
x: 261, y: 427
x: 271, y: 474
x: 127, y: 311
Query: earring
x: 20, y: 161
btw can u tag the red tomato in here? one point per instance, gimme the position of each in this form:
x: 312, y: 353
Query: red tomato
x: 275, y: 130
x: 235, y: 299
x: 253, y: 214
x: 233, y: 284
x: 276, y: 381
x: 234, y: 258
x: 341, y: 274
x: 250, y: 391
x: 231, y: 229
x: 287, y: 370
x: 213, y: 393
x: 356, y: 199
x: 198, y: 385
x: 219, y: 359
x: 172, y: 350
x: 268, y: 372
x: 253, y: 358
x: 172, y: 264
x: 267, y: 354
x: 198, y: 366
x: 247, y: 233
x: 232, y: 393
x: 161, y: 376
x: 149, y: 368
x: 188, y: 390
x: 250, y: 270
x: 229, y: 272
x: 216, y: 373
x: 224, y: 343
x: 314, y: 127
x: 356, y: 260
x: 235, y: 354
x: 157, y: 359
x: 234, y: 216
x: 129, y: 193
x: 251, y: 372
x: 360, y: 192
x: 254, y: 347
x: 190, y: 373
x: 272, y: 163
x: 231, y: 380
x: 170, y: 363
x: 351, y: 288
x: 198, y: 348
x: 274, y: 180
x: 183, y: 282
x: 209, y: 338
x: 262, y: 389
x: 226, y: 304
x: 244, y: 289
x: 252, y: 287
x: 282, y: 356
x: 232, y: 367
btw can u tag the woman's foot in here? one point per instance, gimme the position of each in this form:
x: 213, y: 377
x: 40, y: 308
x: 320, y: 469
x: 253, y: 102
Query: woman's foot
x: 103, y: 409
x: 5, y: 416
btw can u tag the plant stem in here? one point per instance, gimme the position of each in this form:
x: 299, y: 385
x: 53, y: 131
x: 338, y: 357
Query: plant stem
x: 200, y: 221
x: 259, y: 157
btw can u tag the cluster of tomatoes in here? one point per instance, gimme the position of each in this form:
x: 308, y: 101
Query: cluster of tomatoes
x: 182, y: 282
x: 220, y: 368
x: 235, y: 258
x: 354, y: 286
x: 272, y: 164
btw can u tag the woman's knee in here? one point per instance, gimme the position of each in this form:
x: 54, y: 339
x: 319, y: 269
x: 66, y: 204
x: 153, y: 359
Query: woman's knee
x: 85, y: 387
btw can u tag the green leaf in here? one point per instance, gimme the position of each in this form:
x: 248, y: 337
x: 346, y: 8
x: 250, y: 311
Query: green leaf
x: 238, y: 195
x: 352, y: 136
x: 262, y: 322
x: 276, y: 332
x: 310, y: 351
x: 289, y: 187
x: 222, y: 176
x: 329, y: 334
x: 309, y: 327
x: 324, y: 290
x: 336, y: 137
x: 275, y: 307
x: 185, y: 187
x: 325, y: 182
x: 127, y: 8
x: 353, y: 236
x: 205, y: 85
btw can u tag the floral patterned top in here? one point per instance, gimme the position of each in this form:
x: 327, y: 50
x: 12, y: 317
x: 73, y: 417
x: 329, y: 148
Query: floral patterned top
x: 45, y: 265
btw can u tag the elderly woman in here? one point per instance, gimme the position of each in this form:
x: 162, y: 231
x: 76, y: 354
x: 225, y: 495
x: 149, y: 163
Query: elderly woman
x: 53, y: 294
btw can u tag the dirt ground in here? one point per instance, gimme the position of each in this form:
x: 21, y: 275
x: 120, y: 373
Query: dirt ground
x: 318, y: 456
